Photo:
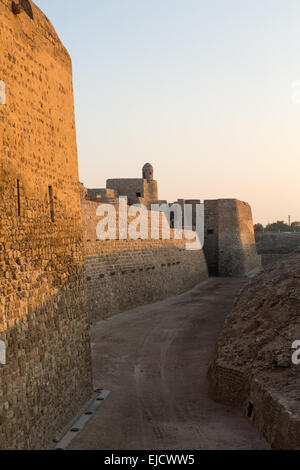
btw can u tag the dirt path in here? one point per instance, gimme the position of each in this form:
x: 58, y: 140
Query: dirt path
x: 154, y: 360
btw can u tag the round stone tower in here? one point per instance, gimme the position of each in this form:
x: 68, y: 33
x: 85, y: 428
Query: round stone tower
x: 148, y: 172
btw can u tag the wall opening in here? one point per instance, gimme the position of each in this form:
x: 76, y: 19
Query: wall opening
x: 51, y: 202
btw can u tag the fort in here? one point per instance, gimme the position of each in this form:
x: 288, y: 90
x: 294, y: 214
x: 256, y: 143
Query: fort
x: 56, y: 276
x: 137, y: 190
x: 122, y: 274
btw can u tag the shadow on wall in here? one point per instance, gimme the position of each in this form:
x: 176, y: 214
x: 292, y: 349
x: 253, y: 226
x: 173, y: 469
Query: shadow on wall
x: 25, y: 4
x: 120, y: 281
x: 229, y: 238
x: 47, y: 376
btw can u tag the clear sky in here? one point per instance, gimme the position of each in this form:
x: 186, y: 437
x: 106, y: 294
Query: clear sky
x: 202, y: 89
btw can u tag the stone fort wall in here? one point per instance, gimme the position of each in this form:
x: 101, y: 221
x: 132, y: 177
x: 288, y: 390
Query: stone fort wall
x: 264, y: 407
x: 229, y: 238
x: 252, y: 367
x: 123, y: 274
x: 137, y: 190
x: 43, y: 315
x: 275, y: 246
x: 46, y: 266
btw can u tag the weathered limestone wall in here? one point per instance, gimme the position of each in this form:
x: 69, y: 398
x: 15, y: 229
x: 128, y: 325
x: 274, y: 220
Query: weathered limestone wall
x: 43, y: 315
x: 275, y: 246
x: 127, y: 187
x: 252, y: 366
x: 263, y: 406
x: 137, y: 190
x: 211, y: 236
x: 123, y: 274
x: 229, y: 238
x: 150, y: 193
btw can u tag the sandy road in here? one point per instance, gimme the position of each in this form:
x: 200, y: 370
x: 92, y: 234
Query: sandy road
x: 154, y: 360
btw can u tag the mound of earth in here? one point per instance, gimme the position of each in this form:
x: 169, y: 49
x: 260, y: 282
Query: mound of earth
x: 253, y: 356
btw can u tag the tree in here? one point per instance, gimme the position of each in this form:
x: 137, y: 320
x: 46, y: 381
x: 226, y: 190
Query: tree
x: 279, y: 226
x: 258, y: 228
x: 295, y: 226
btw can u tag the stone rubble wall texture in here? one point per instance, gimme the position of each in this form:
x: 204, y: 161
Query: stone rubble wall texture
x: 150, y: 193
x: 252, y: 365
x: 43, y: 316
x: 275, y: 246
x: 102, y: 195
x: 229, y: 238
x: 189, y: 202
x: 123, y: 274
x: 137, y: 190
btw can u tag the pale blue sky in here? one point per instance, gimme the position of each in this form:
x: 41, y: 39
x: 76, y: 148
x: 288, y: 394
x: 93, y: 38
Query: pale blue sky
x: 201, y: 89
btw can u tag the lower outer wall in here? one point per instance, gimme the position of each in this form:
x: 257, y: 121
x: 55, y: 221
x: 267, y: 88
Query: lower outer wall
x: 231, y: 386
x: 275, y: 246
x: 121, y: 281
x: 47, y: 378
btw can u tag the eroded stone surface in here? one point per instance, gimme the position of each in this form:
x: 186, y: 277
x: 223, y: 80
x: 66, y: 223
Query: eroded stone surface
x: 43, y: 317
x: 253, y: 359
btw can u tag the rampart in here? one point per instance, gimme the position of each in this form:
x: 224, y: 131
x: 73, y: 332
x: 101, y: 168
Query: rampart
x: 275, y: 246
x: 43, y: 316
x: 122, y: 274
x: 229, y: 238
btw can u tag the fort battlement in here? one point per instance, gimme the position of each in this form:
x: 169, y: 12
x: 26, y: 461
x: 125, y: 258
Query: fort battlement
x: 137, y: 190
